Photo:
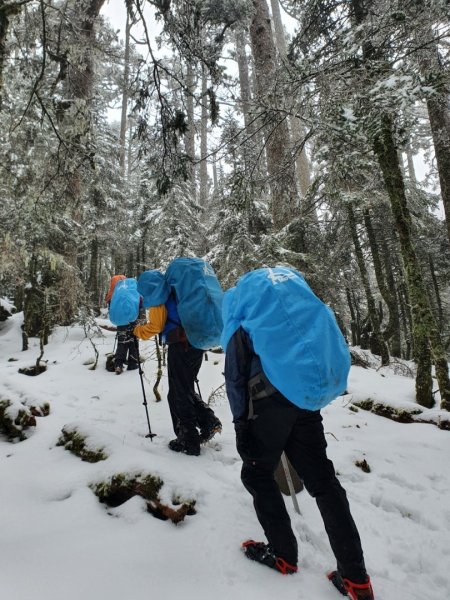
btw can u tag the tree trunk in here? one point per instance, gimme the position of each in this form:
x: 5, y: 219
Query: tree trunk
x: 190, y: 133
x: 244, y: 79
x: 117, y: 263
x: 77, y: 126
x: 298, y: 132
x: 424, y: 325
x: 281, y: 170
x: 440, y: 312
x: 215, y: 179
x: 411, y: 168
x: 377, y: 343
x: 4, y: 24
x: 353, y: 322
x: 93, y: 281
x: 439, y: 115
x: 425, y: 331
x: 5, y: 13
x: 204, y: 141
x: 126, y: 77
x: 406, y: 318
x: 396, y: 339
x: 392, y: 329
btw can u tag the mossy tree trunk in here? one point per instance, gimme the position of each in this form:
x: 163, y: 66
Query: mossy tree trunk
x: 377, y: 343
x: 425, y: 330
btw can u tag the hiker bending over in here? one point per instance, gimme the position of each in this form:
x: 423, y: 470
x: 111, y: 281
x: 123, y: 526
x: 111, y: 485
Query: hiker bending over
x: 126, y: 350
x: 285, y: 359
x: 194, y: 422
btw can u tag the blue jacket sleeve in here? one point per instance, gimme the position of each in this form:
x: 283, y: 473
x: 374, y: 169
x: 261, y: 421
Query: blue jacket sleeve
x: 237, y: 373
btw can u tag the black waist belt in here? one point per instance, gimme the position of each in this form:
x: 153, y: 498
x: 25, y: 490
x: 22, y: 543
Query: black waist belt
x: 260, y: 387
x: 177, y: 334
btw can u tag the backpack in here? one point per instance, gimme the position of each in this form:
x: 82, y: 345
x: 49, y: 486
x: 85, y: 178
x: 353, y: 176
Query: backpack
x: 112, y: 285
x: 302, y: 350
x: 153, y: 288
x: 124, y: 307
x: 199, y: 300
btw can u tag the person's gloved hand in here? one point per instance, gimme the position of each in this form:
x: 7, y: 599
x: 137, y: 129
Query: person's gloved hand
x: 242, y: 435
x: 249, y: 446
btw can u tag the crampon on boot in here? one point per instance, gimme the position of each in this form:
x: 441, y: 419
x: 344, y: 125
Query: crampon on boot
x: 208, y: 432
x: 179, y: 445
x: 355, y: 591
x: 263, y: 554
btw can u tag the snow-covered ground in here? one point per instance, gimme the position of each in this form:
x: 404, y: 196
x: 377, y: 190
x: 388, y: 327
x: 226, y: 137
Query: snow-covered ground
x: 57, y: 541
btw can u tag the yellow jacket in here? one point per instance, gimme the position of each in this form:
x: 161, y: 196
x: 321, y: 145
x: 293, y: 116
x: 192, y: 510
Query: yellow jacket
x: 156, y: 321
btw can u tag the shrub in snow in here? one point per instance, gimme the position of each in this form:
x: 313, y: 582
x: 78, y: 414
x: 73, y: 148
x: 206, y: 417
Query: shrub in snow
x: 122, y: 487
x: 402, y: 415
x: 6, y: 309
x: 363, y: 465
x: 15, y: 418
x: 75, y: 442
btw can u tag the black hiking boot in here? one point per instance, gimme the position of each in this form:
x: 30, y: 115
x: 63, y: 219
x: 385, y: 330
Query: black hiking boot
x: 210, y: 430
x: 180, y: 445
x: 355, y: 591
x: 263, y: 554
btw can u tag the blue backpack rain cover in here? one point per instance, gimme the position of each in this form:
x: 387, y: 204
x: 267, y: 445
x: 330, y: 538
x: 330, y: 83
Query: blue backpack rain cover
x: 124, y: 307
x: 302, y: 350
x: 153, y: 288
x: 199, y: 300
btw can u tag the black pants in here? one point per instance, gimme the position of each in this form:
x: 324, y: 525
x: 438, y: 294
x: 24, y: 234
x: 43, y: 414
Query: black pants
x: 127, y: 349
x: 187, y: 409
x: 281, y: 426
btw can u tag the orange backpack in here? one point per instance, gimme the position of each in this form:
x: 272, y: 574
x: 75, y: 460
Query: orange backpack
x: 112, y: 285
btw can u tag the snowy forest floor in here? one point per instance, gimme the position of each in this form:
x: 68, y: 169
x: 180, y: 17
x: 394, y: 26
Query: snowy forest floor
x: 58, y: 541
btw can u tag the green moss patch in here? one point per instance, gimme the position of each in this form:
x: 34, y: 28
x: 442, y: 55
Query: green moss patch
x: 122, y: 487
x: 75, y: 442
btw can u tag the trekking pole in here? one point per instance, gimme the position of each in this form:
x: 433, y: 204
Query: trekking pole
x: 198, y: 389
x: 141, y: 375
x: 290, y: 484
